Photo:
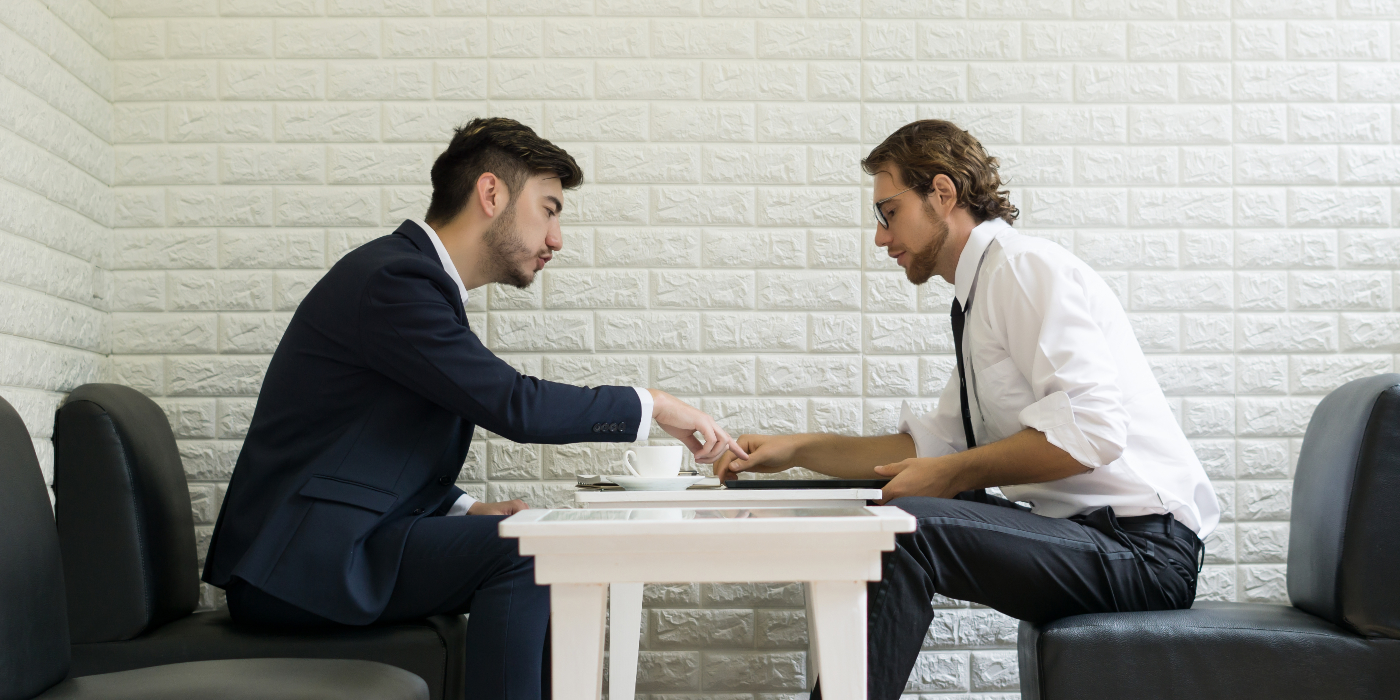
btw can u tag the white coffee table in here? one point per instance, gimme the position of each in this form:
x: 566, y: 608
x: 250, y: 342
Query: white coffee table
x: 625, y: 599
x: 580, y: 552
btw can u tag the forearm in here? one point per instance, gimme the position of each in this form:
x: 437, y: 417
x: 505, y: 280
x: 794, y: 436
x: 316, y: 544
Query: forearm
x: 1024, y: 458
x: 848, y: 457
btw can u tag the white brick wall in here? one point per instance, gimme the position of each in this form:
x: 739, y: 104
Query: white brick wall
x: 56, y: 166
x: 1232, y: 169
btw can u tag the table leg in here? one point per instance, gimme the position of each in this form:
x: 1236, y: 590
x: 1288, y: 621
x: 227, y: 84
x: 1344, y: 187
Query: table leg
x: 576, y: 622
x: 814, y: 654
x: 625, y: 609
x: 837, y: 626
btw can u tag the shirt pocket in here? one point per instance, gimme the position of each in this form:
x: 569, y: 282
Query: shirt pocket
x: 1002, y: 392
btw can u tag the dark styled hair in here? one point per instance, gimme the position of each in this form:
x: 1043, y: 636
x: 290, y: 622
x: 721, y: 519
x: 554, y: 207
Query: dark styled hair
x: 931, y: 147
x: 503, y: 147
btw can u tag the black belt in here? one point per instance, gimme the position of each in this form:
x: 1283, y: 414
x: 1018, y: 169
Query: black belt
x: 1167, y: 525
x: 1162, y: 523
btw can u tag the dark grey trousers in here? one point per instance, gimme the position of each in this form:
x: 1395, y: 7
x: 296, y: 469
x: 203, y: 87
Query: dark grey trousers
x: 991, y: 551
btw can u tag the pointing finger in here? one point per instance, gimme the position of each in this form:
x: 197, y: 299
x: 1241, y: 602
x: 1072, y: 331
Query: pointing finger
x: 736, y: 449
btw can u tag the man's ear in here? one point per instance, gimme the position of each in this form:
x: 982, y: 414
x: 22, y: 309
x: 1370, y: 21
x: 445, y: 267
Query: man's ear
x: 489, y: 190
x: 943, y: 194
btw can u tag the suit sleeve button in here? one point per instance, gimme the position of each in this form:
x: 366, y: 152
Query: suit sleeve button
x: 597, y: 427
x: 444, y: 480
x: 417, y: 511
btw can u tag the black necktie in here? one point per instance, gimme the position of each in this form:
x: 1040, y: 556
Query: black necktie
x: 962, y: 376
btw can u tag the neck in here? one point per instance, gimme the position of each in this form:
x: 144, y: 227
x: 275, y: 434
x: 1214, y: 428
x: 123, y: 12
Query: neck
x: 465, y: 244
x: 960, y: 225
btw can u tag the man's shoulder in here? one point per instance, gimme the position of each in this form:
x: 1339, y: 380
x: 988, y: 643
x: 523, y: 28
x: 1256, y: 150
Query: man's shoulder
x: 1015, y: 244
x: 1021, y: 253
x: 1035, y: 262
x: 384, y: 262
x: 384, y: 258
x: 380, y: 251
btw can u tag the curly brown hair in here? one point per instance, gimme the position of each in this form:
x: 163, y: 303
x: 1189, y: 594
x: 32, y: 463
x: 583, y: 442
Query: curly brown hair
x: 931, y: 147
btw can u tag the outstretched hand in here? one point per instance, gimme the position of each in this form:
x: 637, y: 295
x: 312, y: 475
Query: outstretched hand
x: 760, y: 454
x: 693, y: 427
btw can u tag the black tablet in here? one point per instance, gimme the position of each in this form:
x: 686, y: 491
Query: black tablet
x: 806, y: 483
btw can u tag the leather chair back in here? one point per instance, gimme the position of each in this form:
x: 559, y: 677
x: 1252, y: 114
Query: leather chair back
x: 124, y: 517
x: 1344, y: 538
x: 34, y: 651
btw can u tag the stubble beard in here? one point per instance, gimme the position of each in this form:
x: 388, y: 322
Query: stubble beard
x: 507, y: 254
x: 922, y: 261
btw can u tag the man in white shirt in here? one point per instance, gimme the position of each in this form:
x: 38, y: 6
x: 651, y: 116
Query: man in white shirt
x: 1061, y: 412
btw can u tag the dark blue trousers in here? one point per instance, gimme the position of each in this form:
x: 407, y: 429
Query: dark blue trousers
x: 453, y: 565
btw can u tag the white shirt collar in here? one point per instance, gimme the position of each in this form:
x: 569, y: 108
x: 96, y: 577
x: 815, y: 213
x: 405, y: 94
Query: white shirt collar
x: 977, y: 242
x: 446, y: 259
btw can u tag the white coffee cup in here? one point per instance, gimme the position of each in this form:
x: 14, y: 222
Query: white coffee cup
x: 664, y: 460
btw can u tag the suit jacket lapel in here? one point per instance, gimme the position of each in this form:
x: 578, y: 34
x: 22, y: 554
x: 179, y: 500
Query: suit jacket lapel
x: 425, y: 246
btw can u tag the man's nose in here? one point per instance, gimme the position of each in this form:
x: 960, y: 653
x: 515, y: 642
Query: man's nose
x: 883, y: 238
x: 555, y: 238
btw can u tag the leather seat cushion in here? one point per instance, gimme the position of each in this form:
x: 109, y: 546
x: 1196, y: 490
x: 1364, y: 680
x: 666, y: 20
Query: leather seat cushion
x: 419, y: 647
x: 1235, y: 651
x: 248, y: 679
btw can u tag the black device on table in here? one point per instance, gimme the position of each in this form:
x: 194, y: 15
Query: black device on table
x: 806, y: 483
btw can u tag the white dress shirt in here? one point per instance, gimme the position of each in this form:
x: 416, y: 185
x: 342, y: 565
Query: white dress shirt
x: 465, y: 501
x: 1046, y: 345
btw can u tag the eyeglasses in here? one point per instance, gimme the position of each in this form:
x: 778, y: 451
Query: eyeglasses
x: 880, y: 215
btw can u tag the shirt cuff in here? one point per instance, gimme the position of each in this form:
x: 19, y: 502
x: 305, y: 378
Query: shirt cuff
x: 1054, y: 416
x: 648, y: 403
x: 926, y: 444
x: 464, y: 502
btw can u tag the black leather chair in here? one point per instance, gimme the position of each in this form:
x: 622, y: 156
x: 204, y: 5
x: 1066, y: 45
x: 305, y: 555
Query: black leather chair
x: 126, y: 529
x: 34, y: 642
x: 1339, y: 639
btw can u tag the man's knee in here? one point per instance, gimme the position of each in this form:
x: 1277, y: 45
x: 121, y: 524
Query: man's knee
x: 923, y: 506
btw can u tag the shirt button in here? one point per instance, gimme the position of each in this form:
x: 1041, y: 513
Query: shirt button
x: 417, y: 511
x: 444, y: 480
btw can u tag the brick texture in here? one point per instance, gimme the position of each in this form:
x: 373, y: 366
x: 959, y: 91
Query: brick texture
x: 56, y: 204
x: 178, y: 174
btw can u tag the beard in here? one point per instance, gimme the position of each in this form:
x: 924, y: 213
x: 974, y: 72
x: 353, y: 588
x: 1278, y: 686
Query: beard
x: 507, y: 254
x: 922, y: 261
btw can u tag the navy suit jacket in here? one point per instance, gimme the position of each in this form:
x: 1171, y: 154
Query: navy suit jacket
x: 362, y: 426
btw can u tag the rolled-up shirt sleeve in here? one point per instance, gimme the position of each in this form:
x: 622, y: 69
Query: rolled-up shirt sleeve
x: 1065, y: 356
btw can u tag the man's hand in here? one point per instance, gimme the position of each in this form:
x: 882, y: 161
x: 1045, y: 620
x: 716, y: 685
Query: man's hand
x: 917, y: 476
x: 685, y: 422
x: 766, y: 454
x: 499, y: 508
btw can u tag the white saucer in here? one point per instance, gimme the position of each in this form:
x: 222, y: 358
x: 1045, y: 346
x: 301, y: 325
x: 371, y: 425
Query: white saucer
x: 655, y: 483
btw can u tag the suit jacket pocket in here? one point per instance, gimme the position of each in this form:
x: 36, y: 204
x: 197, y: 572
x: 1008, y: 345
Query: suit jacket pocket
x: 328, y: 488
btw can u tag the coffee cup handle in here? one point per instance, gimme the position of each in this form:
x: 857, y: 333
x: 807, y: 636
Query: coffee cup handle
x: 627, y: 458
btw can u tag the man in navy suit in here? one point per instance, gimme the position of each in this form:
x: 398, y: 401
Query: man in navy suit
x: 333, y: 513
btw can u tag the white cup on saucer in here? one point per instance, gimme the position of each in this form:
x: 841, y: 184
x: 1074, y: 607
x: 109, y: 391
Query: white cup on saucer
x: 655, y: 461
